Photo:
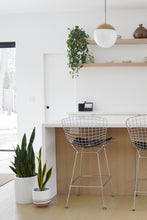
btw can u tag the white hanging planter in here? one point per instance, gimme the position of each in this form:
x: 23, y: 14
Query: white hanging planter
x: 23, y: 189
x: 41, y: 198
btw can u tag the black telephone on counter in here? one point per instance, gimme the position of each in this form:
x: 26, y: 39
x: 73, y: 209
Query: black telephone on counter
x: 86, y: 106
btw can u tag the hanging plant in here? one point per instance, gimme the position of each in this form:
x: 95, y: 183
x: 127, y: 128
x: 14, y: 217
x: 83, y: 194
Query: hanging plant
x: 77, y: 50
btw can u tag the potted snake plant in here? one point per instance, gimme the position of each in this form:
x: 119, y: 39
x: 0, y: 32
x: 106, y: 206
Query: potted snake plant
x: 41, y: 194
x: 24, y: 168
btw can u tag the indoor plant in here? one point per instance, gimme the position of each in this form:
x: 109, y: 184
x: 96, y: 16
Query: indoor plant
x: 24, y: 168
x: 41, y: 195
x: 77, y: 49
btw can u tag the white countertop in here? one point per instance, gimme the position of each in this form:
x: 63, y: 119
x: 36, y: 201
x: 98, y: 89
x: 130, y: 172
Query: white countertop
x: 58, y: 125
x: 96, y: 113
x: 111, y: 124
x: 115, y: 120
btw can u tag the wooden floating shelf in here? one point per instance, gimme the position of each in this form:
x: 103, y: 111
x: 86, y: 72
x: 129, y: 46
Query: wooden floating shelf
x: 124, y: 41
x: 113, y: 64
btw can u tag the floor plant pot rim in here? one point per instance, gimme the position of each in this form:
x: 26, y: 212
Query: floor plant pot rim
x: 36, y: 189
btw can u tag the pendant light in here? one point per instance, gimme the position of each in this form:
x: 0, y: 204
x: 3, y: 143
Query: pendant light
x: 105, y: 34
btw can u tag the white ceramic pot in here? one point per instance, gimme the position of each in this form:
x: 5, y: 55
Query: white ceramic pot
x: 23, y: 189
x: 41, y: 198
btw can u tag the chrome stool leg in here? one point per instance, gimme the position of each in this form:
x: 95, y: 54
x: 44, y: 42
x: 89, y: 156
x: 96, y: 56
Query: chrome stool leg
x: 135, y: 192
x: 104, y: 207
x: 108, y: 171
x: 71, y: 179
x: 80, y: 172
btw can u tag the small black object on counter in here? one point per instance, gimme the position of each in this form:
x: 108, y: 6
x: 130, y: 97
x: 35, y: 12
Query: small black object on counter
x: 86, y: 106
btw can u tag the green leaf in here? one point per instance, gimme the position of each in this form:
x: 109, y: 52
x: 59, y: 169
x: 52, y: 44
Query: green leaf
x: 39, y: 173
x: 24, y: 160
x: 77, y: 49
x: 40, y: 154
x: 13, y: 169
x: 48, y: 176
x: 43, y: 172
x: 31, y: 138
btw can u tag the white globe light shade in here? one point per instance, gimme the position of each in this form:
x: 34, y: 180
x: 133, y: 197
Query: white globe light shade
x: 105, y: 37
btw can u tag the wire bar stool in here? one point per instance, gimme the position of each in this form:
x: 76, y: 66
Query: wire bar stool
x: 84, y: 133
x: 137, y: 129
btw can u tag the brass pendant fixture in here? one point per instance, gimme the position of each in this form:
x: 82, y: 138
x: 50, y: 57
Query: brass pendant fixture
x: 105, y: 34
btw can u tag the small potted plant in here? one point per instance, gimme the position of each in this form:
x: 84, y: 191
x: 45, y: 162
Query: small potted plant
x: 77, y: 50
x: 24, y: 168
x: 41, y: 195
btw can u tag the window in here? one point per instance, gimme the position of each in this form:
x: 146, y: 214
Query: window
x: 8, y: 115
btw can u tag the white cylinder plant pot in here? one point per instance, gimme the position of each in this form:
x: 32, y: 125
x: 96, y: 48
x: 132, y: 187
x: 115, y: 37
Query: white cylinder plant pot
x: 41, y: 198
x: 23, y: 189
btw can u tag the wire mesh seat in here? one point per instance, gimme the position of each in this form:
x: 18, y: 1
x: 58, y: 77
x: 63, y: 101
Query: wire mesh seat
x: 84, y: 133
x: 137, y: 129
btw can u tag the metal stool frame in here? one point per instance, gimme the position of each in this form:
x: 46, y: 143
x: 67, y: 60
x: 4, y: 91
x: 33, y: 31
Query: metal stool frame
x: 137, y: 129
x: 83, y: 133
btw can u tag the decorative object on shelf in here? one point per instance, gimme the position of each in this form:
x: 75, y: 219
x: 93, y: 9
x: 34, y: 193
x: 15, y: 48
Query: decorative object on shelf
x: 105, y: 34
x: 88, y: 59
x: 77, y: 50
x: 91, y: 58
x: 140, y: 32
x: 24, y: 168
x: 41, y: 195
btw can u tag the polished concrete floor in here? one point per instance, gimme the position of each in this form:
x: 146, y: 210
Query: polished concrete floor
x: 86, y: 207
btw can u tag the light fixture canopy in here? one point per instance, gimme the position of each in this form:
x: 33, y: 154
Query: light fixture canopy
x: 105, y: 34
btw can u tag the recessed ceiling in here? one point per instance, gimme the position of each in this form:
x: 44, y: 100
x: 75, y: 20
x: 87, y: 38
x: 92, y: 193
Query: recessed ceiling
x: 40, y: 6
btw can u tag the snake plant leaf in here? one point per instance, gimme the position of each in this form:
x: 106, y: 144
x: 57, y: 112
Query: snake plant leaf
x: 13, y: 169
x: 48, y: 176
x: 31, y: 139
x: 31, y: 156
x: 23, y: 147
x: 39, y: 181
x: 43, y: 171
x: 39, y: 158
x: 31, y: 162
x: 18, y: 151
x: 18, y: 166
x: 39, y: 173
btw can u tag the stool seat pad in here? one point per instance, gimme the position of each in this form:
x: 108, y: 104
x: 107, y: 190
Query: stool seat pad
x: 140, y: 145
x: 85, y: 143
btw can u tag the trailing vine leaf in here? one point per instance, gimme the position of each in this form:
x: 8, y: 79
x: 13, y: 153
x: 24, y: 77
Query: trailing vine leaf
x: 77, y: 50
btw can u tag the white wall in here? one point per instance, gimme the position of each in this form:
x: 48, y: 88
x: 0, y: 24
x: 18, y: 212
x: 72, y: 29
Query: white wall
x: 47, y: 33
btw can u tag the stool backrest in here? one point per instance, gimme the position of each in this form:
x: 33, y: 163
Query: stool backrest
x: 137, y: 129
x: 80, y: 129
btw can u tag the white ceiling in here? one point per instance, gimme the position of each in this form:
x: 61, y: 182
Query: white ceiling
x: 39, y: 6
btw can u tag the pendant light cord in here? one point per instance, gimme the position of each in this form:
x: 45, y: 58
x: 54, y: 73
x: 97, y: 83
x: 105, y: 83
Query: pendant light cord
x: 105, y: 11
